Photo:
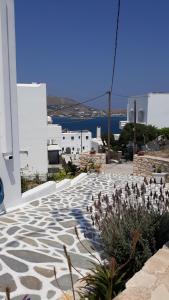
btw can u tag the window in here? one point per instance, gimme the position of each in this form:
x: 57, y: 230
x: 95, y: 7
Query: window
x: 87, y: 137
x: 73, y: 148
x: 83, y: 147
x: 79, y: 137
x: 63, y: 137
x: 72, y: 137
x: 141, y: 116
x: 63, y: 149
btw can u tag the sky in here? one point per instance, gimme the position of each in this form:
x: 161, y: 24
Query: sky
x: 69, y: 45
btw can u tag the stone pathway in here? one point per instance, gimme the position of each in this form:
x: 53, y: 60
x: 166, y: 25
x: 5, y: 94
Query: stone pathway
x: 118, y: 169
x: 32, y: 238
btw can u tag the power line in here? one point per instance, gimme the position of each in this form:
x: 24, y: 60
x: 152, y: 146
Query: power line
x: 79, y: 103
x: 115, y: 46
x: 119, y: 95
x: 109, y: 93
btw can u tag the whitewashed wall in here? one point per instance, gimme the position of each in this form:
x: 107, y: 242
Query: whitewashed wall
x: 76, y: 141
x: 54, y: 134
x: 33, y: 129
x: 158, y: 109
x: 155, y: 107
x: 9, y: 142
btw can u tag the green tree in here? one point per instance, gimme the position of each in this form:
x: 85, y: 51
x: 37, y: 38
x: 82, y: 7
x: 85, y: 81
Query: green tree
x: 164, y: 132
x: 144, y: 134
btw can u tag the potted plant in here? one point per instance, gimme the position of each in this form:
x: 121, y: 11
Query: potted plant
x: 158, y: 175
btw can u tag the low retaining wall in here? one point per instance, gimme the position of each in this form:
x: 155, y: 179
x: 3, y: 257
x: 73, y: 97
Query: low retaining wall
x: 144, y: 165
x: 39, y: 191
x: 78, y: 178
x: 48, y: 188
x: 96, y: 159
x: 152, y: 282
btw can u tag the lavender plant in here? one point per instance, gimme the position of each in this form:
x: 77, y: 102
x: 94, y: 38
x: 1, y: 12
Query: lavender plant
x: 142, y: 207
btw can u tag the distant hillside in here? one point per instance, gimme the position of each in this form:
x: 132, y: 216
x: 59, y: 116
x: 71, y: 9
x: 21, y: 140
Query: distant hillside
x: 66, y: 107
x: 54, y: 100
x: 62, y: 106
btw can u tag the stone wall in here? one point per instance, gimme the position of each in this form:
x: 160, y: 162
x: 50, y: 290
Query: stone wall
x: 144, y: 165
x: 86, y: 159
x: 152, y: 282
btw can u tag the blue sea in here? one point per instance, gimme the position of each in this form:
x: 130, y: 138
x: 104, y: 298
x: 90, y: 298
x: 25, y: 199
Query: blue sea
x: 90, y: 124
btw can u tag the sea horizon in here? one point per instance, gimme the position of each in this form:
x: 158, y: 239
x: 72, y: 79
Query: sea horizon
x: 90, y: 124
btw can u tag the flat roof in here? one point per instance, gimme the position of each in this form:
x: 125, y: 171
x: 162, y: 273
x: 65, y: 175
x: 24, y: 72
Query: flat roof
x: 33, y: 84
x: 144, y: 95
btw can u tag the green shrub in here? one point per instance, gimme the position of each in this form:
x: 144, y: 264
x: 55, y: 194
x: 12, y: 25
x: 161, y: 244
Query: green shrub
x: 24, y: 184
x: 116, y: 234
x: 164, y: 132
x: 107, y: 279
x: 60, y: 175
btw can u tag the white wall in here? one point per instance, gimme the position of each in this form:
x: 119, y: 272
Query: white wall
x: 141, y: 106
x: 158, y: 109
x: 9, y: 143
x: 32, y: 109
x: 54, y: 134
x: 155, y: 107
x: 76, y: 141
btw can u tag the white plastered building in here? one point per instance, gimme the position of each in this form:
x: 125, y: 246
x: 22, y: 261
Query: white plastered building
x: 75, y: 142
x: 33, y: 129
x: 72, y: 142
x: 151, y: 109
x: 9, y: 137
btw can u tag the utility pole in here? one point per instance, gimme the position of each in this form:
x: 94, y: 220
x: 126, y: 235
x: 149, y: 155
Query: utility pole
x: 134, y: 144
x: 109, y: 124
x: 81, y: 141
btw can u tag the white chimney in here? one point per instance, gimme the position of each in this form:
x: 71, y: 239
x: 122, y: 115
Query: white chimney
x: 98, y: 133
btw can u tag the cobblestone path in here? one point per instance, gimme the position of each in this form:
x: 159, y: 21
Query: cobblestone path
x: 32, y: 238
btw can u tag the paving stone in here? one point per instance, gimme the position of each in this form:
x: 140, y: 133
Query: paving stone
x: 51, y: 243
x: 51, y: 294
x: 27, y: 240
x: 3, y: 240
x: 35, y: 203
x: 66, y: 239
x: 45, y: 272
x: 65, y: 281
x: 32, y: 297
x: 33, y: 228
x: 80, y: 261
x: 7, y: 220
x: 13, y: 244
x: 14, y: 264
x: 35, y: 234
x: 31, y: 282
x: 33, y: 256
x: 87, y: 244
x: 69, y: 224
x: 12, y: 230
x: 6, y: 280
x: 57, y: 228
